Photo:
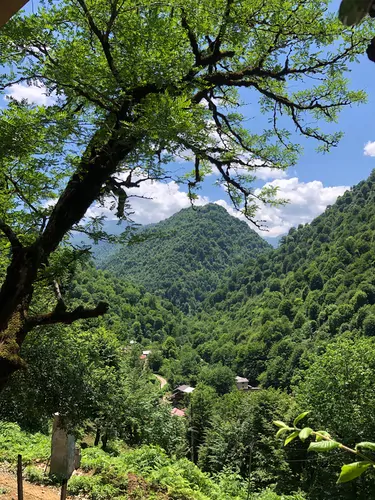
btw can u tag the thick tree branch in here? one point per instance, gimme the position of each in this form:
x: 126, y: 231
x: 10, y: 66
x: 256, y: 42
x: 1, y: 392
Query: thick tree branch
x: 103, y: 37
x: 223, y: 28
x: 10, y: 234
x: 19, y: 192
x: 192, y: 39
x: 67, y: 317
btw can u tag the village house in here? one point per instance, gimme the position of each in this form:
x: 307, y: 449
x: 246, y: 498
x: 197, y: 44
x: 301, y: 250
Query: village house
x: 242, y: 383
x: 181, y: 391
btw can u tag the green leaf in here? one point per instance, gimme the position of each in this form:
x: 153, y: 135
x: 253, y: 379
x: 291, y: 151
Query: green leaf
x: 290, y: 438
x: 305, y: 433
x: 323, y: 446
x: 300, y: 417
x: 283, y: 429
x: 351, y: 471
x: 279, y: 423
x: 366, y: 444
x: 322, y: 433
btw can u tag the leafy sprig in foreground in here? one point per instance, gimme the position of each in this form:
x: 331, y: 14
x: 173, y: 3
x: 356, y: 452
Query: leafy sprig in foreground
x: 324, y: 442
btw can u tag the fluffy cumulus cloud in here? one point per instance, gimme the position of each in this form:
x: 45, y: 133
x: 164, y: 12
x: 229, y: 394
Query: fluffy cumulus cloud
x: 36, y: 94
x: 161, y: 200
x: 268, y: 173
x: 307, y: 200
x: 369, y: 149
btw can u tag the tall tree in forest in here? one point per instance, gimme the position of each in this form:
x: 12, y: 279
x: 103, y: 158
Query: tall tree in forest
x: 133, y: 86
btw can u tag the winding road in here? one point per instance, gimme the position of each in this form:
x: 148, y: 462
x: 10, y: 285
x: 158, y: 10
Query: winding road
x: 162, y: 380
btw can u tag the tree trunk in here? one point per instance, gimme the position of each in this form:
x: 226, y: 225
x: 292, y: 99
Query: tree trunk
x: 15, y: 297
x: 97, y: 437
x: 98, y: 163
x: 104, y: 441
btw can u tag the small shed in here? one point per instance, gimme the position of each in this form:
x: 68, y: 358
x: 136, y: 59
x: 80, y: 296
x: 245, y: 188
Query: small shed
x: 186, y: 389
x: 242, y: 383
x: 181, y: 391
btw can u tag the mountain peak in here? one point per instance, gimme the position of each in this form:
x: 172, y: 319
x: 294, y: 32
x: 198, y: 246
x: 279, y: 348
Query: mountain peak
x: 184, y: 257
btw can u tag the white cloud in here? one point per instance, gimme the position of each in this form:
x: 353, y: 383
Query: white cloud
x: 307, y: 200
x: 261, y: 173
x: 36, y: 94
x: 369, y: 149
x: 267, y: 173
x: 165, y: 200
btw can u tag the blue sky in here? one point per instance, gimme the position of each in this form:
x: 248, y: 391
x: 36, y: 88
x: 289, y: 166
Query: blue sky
x: 314, y: 183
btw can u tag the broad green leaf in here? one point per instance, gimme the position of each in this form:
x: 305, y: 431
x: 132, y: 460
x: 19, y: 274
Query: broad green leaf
x: 279, y: 423
x: 290, y: 438
x: 282, y: 430
x: 323, y: 446
x: 322, y: 433
x: 351, y: 471
x: 300, y: 417
x: 366, y: 444
x: 305, y: 433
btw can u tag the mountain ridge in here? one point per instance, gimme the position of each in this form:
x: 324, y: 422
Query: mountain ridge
x: 184, y: 257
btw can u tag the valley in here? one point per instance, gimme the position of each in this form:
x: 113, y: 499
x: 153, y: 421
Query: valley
x: 187, y: 279
x: 294, y: 321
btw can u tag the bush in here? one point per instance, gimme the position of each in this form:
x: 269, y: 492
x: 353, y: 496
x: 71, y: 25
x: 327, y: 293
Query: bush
x: 31, y: 446
x: 35, y: 475
x: 369, y: 325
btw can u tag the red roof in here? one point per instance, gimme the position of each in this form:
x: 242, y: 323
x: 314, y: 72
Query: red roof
x: 142, y: 356
x: 177, y: 412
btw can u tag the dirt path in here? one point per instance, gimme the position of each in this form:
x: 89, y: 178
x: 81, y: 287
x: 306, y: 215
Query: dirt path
x: 162, y: 380
x: 8, y: 485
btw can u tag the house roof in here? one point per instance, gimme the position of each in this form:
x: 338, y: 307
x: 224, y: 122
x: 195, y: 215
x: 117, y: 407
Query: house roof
x: 146, y: 353
x: 185, y: 388
x: 142, y: 356
x: 177, y: 412
x: 242, y: 380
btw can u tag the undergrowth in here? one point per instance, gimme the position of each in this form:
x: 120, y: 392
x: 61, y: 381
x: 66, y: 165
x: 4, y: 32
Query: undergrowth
x: 142, y: 473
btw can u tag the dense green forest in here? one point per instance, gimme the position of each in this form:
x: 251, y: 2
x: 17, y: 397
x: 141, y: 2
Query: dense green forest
x: 126, y: 96
x: 185, y: 257
x: 299, y: 321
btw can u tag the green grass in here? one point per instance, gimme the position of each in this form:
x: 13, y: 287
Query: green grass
x: 13, y: 441
x: 128, y: 474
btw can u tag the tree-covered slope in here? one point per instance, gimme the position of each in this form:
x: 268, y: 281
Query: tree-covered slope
x: 185, y: 257
x: 286, y: 303
x: 134, y: 313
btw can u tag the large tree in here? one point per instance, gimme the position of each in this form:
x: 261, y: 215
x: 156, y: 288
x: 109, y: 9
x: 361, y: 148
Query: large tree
x: 135, y: 85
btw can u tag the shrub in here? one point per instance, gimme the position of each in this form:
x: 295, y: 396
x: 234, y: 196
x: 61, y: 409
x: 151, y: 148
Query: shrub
x: 35, y: 475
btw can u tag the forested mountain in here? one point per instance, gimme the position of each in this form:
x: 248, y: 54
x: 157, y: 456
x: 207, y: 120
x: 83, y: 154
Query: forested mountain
x: 116, y: 93
x: 134, y: 313
x: 319, y: 283
x: 186, y: 256
x: 298, y: 320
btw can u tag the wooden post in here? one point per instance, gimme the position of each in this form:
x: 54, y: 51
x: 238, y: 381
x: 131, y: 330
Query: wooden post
x: 64, y: 488
x: 19, y: 478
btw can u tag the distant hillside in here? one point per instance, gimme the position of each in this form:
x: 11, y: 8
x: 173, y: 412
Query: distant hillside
x: 287, y: 303
x: 134, y: 313
x: 186, y: 256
